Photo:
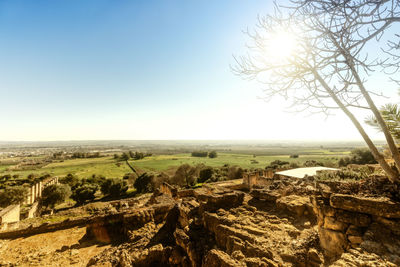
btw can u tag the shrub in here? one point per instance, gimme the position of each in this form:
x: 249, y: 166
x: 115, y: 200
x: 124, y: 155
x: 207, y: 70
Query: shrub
x: 362, y: 156
x: 84, y: 192
x: 312, y: 163
x: 114, y: 187
x: 185, y: 175
x: 55, y: 194
x: 276, y: 164
x: 235, y: 173
x: 13, y: 195
x: 70, y: 180
x: 205, y: 174
x: 358, y: 156
x: 199, y: 154
x: 212, y: 154
x: 143, y: 183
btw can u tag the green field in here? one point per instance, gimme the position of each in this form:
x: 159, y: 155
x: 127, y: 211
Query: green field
x: 108, y: 167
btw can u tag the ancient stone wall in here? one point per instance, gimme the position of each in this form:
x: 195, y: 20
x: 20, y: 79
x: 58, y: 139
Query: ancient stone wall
x: 258, y: 179
x: 347, y: 221
x: 35, y: 191
x: 9, y: 215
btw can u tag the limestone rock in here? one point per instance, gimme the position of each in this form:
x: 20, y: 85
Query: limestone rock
x: 264, y: 194
x: 332, y: 224
x: 382, y: 207
x: 358, y: 219
x: 333, y: 242
x: 295, y: 204
x: 219, y: 258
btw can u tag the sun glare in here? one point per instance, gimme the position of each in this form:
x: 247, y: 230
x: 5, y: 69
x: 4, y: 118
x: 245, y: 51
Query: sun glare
x: 281, y: 46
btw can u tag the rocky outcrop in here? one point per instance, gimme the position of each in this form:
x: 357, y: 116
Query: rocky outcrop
x: 382, y: 207
x: 346, y: 222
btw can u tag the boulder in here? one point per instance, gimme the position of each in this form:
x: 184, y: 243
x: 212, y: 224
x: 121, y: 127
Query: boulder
x: 333, y: 242
x: 382, y: 207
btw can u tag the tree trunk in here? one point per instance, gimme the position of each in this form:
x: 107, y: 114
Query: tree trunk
x: 392, y: 174
x: 389, y: 138
x: 133, y: 169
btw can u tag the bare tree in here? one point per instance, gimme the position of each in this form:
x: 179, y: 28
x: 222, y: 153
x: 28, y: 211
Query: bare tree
x: 329, y: 64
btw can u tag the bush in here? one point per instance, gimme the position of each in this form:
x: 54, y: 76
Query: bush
x: 312, y: 163
x: 199, y: 154
x: 358, y: 156
x: 83, y: 193
x: 143, y: 183
x: 362, y: 156
x: 55, y: 194
x: 294, y: 156
x: 114, y: 187
x: 235, y: 173
x: 205, y: 174
x: 185, y: 175
x: 276, y: 164
x: 212, y: 154
x: 70, y: 180
x: 13, y: 195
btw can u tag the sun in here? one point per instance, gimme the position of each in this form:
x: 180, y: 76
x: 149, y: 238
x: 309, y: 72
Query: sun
x: 281, y: 45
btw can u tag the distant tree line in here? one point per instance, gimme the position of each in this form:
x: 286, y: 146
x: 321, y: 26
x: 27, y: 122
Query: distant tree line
x: 211, y: 154
x: 76, y: 155
x: 132, y: 155
x: 85, y: 155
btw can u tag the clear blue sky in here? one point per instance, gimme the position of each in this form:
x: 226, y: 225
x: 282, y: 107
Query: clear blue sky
x: 111, y: 69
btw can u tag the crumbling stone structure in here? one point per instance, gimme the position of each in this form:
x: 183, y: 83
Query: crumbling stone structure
x: 9, y: 216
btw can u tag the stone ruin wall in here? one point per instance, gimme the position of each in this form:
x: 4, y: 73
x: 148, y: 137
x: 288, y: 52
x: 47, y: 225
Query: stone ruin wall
x: 35, y: 191
x: 258, y: 179
x: 349, y: 222
x: 9, y: 216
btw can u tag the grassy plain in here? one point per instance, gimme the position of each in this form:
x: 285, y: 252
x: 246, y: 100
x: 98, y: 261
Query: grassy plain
x: 109, y: 167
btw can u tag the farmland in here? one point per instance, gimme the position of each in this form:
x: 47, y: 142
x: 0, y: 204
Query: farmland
x: 109, y: 167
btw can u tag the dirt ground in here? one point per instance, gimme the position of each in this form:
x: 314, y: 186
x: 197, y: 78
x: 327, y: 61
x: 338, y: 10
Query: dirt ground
x: 61, y: 248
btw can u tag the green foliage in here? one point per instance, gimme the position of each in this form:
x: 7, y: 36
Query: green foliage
x: 84, y: 155
x: 312, y: 163
x: 358, y: 156
x: 235, y: 172
x: 114, y: 187
x: 13, y: 195
x: 199, y: 154
x: 143, y: 183
x: 84, y: 192
x: 55, y: 194
x: 212, y: 154
x: 277, y: 164
x: 362, y: 156
x: 345, y: 174
x: 205, y: 174
x: 391, y: 115
x: 185, y: 175
x: 70, y: 180
x: 124, y: 156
